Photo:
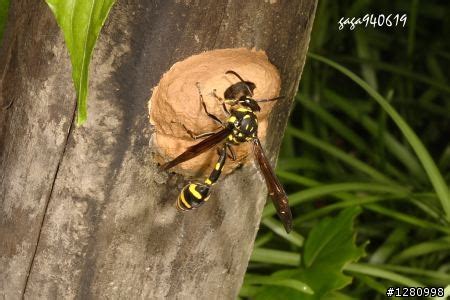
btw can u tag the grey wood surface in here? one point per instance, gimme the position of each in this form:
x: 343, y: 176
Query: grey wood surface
x: 84, y: 212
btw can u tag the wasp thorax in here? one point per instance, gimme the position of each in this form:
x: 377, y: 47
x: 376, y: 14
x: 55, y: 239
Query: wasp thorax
x: 175, y: 108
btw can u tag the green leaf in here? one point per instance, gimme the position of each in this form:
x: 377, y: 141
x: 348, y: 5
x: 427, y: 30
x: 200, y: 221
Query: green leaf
x: 275, y: 292
x: 392, y: 242
x: 407, y: 218
x: 81, y: 22
x: 263, y: 239
x: 278, y: 281
x: 439, y: 278
x: 330, y: 189
x: 278, y: 229
x: 424, y: 248
x: 328, y: 249
x: 271, y: 256
x: 331, y: 242
x: 375, y: 271
x: 337, y: 296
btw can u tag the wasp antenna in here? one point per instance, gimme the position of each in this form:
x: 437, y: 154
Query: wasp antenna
x: 247, y: 83
x: 235, y: 74
x: 271, y: 99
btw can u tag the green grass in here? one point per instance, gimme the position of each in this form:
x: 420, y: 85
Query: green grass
x: 369, y: 130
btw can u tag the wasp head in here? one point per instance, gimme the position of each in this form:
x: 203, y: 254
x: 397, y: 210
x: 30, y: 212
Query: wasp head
x: 250, y: 103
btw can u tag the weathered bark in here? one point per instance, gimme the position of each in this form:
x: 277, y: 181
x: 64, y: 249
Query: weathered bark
x: 84, y: 212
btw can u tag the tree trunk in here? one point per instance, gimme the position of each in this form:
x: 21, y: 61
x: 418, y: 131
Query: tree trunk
x: 85, y: 213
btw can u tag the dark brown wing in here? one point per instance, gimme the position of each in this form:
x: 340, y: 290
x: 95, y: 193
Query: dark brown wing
x: 198, y: 148
x: 274, y: 186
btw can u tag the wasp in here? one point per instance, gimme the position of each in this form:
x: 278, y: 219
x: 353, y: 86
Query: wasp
x: 195, y: 194
x: 241, y: 126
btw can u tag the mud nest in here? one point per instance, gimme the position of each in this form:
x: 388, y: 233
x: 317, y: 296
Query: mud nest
x: 176, y: 102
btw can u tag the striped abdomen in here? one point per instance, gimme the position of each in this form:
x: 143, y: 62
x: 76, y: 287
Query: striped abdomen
x: 192, y: 196
x: 195, y: 194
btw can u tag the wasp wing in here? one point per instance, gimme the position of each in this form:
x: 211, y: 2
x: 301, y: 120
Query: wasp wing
x: 274, y: 186
x: 198, y: 148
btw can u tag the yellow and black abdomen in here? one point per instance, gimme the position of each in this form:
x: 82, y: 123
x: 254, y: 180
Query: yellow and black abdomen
x: 195, y: 194
x: 192, y: 196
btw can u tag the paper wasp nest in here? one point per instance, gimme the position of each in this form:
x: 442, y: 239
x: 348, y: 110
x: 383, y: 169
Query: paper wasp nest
x: 175, y: 102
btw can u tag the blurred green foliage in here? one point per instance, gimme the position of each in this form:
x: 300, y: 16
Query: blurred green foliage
x: 370, y: 130
x: 4, y: 7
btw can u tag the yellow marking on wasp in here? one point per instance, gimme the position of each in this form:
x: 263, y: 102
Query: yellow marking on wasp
x: 184, y: 200
x: 232, y: 119
x: 208, y: 181
x: 242, y: 109
x: 230, y: 137
x: 217, y: 166
x: 247, y: 117
x: 207, y: 198
x: 240, y: 134
x: 194, y: 191
x: 246, y: 126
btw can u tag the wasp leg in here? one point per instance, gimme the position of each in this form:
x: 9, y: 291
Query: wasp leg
x: 225, y: 110
x: 197, y: 136
x: 229, y: 152
x: 232, y: 154
x: 216, y: 119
